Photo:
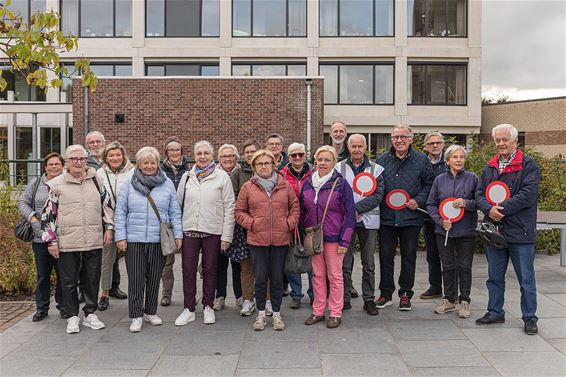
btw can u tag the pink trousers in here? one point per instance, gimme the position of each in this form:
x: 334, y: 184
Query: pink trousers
x: 328, y: 264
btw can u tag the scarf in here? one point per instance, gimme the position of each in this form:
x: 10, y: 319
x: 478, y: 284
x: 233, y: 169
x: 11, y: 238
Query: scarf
x: 268, y: 184
x: 203, y: 173
x: 145, y: 183
x: 174, y: 168
x: 318, y: 182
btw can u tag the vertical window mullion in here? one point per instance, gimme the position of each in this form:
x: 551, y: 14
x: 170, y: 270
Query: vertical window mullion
x: 338, y: 84
x: 374, y: 20
x: 114, y: 21
x: 446, y: 17
x: 338, y: 8
x: 373, y: 87
x: 80, y: 32
x: 200, y: 21
x: 164, y: 23
x: 446, y: 85
x: 251, y: 22
x: 286, y: 20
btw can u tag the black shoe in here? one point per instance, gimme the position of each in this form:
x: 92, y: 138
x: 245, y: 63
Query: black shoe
x: 165, y: 301
x: 353, y: 293
x: 429, y: 293
x: 489, y: 319
x: 103, y: 303
x: 404, y: 303
x: 63, y: 314
x: 531, y: 327
x: 371, y: 308
x: 347, y: 305
x: 81, y: 297
x: 117, y: 293
x: 38, y: 316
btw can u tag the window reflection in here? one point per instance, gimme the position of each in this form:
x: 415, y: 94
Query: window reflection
x: 354, y: 18
x: 269, y: 70
x: 437, y: 84
x: 181, y: 69
x: 436, y: 18
x: 17, y: 83
x: 98, y: 18
x: 330, y: 74
x: 356, y: 84
x: 269, y: 18
x: 182, y: 18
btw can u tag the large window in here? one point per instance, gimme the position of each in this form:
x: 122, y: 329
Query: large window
x: 269, y: 18
x: 182, y: 69
x: 26, y: 8
x: 97, y: 18
x: 437, y: 84
x: 99, y: 69
x: 356, y: 18
x: 436, y: 18
x: 182, y: 18
x: 357, y: 84
x: 17, y: 83
x: 241, y: 69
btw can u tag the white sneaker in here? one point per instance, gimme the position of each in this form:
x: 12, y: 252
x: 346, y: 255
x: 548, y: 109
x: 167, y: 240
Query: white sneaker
x: 209, y: 317
x: 93, y: 322
x: 153, y: 319
x: 73, y: 325
x: 248, y: 307
x: 219, y: 303
x: 268, y: 308
x: 136, y: 324
x: 185, y: 317
x: 240, y: 301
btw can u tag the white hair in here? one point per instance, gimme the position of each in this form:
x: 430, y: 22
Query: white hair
x: 93, y: 133
x: 295, y: 146
x: 357, y: 136
x: 432, y: 134
x: 226, y: 146
x: 147, y: 152
x: 74, y: 148
x: 204, y: 143
x: 403, y: 127
x: 453, y: 149
x: 507, y: 127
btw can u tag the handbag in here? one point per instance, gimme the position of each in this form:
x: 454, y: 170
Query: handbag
x: 490, y: 235
x: 298, y: 261
x: 168, y: 244
x: 23, y: 229
x: 238, y: 250
x: 314, y: 237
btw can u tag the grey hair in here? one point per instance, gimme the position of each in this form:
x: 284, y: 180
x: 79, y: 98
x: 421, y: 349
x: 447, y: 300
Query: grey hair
x: 73, y: 148
x: 204, y: 143
x: 403, y: 127
x: 453, y: 149
x: 336, y: 123
x: 295, y: 146
x: 92, y: 133
x: 508, y: 127
x: 357, y: 135
x: 431, y: 134
x: 231, y: 146
x: 147, y: 152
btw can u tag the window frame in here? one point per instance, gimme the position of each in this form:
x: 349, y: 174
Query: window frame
x: 445, y: 23
x: 71, y: 65
x: 374, y: 25
x: 445, y: 65
x: 373, y: 65
x: 251, y: 64
x: 79, y: 12
x: 30, y: 89
x: 271, y: 36
x: 165, y: 64
x: 179, y: 36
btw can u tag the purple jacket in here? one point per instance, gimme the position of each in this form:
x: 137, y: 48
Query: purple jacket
x: 463, y: 185
x: 341, y: 216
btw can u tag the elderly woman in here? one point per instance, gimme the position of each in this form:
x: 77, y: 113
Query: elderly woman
x: 31, y: 204
x: 268, y: 209
x: 77, y: 221
x: 174, y: 165
x: 296, y: 172
x: 228, y: 157
x: 138, y: 233
x: 114, y: 172
x: 460, y: 184
x: 326, y: 188
x: 207, y: 199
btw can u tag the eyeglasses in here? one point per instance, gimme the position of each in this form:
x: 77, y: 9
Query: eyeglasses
x: 264, y: 164
x: 400, y: 137
x: 435, y: 143
x: 76, y: 160
x: 227, y: 156
x: 295, y: 155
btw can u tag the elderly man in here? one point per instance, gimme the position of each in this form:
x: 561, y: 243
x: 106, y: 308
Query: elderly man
x: 274, y: 144
x: 517, y: 217
x: 338, y: 139
x: 409, y: 170
x: 367, y: 217
x: 434, y: 147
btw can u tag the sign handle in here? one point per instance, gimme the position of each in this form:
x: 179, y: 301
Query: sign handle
x: 446, y: 238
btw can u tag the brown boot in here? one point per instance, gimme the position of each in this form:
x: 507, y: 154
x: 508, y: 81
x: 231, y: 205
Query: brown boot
x: 313, y: 319
x: 333, y: 322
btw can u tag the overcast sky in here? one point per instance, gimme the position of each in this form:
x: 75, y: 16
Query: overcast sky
x: 524, y: 48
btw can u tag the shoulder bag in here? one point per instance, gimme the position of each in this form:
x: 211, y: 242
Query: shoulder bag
x: 297, y: 261
x: 314, y: 237
x: 168, y: 244
x: 24, y: 229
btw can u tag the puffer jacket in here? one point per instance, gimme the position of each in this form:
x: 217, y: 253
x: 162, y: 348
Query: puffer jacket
x: 175, y: 176
x: 241, y: 176
x: 25, y: 205
x: 114, y: 181
x: 269, y: 220
x: 291, y: 176
x: 341, y: 216
x: 136, y: 220
x: 208, y: 205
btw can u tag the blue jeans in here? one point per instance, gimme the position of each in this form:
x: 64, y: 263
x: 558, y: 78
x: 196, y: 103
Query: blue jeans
x: 522, y: 256
x: 297, y: 286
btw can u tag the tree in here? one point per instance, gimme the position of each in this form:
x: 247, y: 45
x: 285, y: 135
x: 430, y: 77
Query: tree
x: 33, y: 48
x: 501, y: 98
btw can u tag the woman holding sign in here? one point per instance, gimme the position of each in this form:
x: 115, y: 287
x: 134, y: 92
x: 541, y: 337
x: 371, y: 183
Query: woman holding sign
x: 452, y: 206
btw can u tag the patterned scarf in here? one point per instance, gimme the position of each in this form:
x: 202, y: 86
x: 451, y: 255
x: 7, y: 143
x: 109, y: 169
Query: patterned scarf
x: 268, y: 184
x: 203, y: 173
x: 145, y: 183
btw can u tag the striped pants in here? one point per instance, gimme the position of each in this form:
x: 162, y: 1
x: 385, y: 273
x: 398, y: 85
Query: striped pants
x: 144, y: 264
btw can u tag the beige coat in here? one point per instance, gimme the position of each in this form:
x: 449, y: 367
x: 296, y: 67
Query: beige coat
x: 80, y: 214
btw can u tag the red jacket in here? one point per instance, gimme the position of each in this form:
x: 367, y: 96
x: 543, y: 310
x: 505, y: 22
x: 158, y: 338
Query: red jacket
x: 268, y: 220
x: 292, y: 179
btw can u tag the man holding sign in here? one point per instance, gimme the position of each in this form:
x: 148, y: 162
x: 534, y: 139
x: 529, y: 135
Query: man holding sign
x: 408, y: 174
x: 366, y: 180
x: 519, y: 178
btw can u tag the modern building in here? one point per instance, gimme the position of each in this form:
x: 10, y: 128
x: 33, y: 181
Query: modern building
x: 384, y: 62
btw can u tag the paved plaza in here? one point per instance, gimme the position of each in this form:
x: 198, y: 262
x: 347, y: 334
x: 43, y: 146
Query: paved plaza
x: 418, y: 343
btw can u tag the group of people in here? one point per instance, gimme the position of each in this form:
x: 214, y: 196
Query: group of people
x: 92, y: 204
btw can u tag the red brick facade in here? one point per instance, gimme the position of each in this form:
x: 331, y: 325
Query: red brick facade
x: 219, y: 110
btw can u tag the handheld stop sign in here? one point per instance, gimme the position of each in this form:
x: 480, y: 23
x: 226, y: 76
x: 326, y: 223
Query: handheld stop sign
x: 397, y: 200
x: 497, y: 192
x: 449, y: 213
x: 365, y: 184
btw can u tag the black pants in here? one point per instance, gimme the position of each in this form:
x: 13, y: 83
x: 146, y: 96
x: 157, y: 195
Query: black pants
x: 269, y: 262
x: 368, y: 242
x: 70, y: 271
x: 44, y: 264
x: 458, y: 250
x: 389, y: 237
x: 222, y: 277
x: 433, y: 258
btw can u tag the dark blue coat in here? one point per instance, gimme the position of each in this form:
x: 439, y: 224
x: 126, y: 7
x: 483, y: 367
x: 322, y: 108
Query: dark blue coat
x: 523, y: 177
x: 412, y: 174
x: 437, y: 169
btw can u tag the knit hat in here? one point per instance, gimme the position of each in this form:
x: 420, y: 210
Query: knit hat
x: 170, y: 139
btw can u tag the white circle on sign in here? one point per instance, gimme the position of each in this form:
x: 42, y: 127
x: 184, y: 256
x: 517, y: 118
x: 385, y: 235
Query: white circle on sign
x: 497, y: 194
x: 450, y: 211
x: 398, y: 199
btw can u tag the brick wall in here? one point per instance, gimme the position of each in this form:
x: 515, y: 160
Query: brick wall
x: 543, y: 121
x: 218, y: 110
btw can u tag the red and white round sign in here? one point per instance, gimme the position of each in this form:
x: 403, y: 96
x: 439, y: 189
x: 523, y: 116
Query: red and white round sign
x: 497, y: 192
x: 448, y: 212
x: 397, y: 199
x: 365, y: 184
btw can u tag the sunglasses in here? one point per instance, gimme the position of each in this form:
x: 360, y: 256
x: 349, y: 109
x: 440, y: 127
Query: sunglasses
x: 295, y: 155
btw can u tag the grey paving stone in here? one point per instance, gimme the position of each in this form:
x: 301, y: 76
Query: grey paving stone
x: 20, y: 364
x: 490, y: 339
x: 6, y: 348
x: 303, y: 372
x: 551, y: 286
x: 531, y: 363
x: 559, y: 344
x: 545, y: 308
x: 421, y: 310
x: 363, y: 365
x: 21, y: 331
x: 557, y: 297
x: 552, y: 327
x: 195, y: 365
x: 424, y: 330
x: 359, y: 319
x: 269, y: 354
x: 153, y: 334
x: 294, y: 331
x: 470, y: 323
x: 61, y: 343
x: 120, y: 356
x: 211, y: 343
x: 106, y: 372
x: 436, y: 353
x: 455, y: 371
x: 358, y: 341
